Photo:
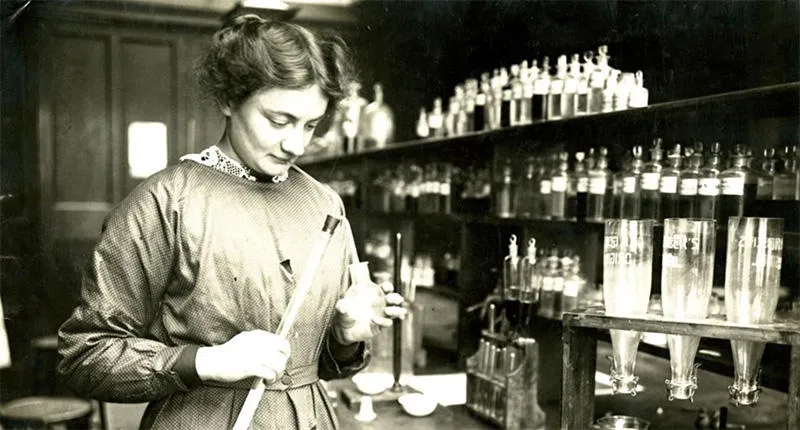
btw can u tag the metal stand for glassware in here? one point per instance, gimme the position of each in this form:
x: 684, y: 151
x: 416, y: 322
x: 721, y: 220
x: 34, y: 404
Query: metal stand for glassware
x: 580, y: 354
x: 506, y: 394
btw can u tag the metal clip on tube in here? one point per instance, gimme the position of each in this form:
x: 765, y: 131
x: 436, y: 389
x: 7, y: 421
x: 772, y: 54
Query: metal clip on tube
x: 245, y: 417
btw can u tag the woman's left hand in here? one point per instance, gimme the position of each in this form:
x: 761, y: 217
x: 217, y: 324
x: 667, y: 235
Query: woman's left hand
x: 365, y: 310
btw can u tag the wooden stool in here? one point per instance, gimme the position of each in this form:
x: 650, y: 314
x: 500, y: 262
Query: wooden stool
x: 46, y: 413
x: 45, y: 357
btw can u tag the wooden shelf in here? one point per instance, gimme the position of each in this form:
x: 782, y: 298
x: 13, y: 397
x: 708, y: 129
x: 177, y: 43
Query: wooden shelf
x: 508, y: 134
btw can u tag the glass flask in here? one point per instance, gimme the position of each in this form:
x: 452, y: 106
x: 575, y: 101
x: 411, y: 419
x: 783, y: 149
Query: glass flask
x: 627, y: 280
x: 687, y: 275
x: 752, y: 281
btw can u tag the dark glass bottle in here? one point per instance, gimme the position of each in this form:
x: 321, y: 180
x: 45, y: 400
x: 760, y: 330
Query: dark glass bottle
x: 708, y: 189
x: 506, y: 99
x: 599, y: 178
x: 650, y: 184
x: 582, y: 169
x: 445, y: 188
x: 541, y: 87
x: 525, y: 190
x: 504, y: 192
x: 615, y: 199
x: 785, y: 184
x: 479, y: 116
x: 413, y: 183
x: 668, y: 185
x: 689, y: 182
x: 766, y: 175
x: 631, y: 204
x: 578, y: 184
x: 559, y: 187
x: 545, y: 188
x: 739, y: 185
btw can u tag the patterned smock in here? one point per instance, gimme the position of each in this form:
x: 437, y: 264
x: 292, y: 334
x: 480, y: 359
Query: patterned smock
x: 192, y: 257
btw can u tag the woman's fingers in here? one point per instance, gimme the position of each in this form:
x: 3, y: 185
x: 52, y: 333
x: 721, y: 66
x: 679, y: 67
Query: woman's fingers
x: 395, y: 311
x: 394, y: 299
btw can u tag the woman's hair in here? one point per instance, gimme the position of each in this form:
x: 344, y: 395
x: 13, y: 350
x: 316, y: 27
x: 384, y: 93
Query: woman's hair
x: 252, y: 54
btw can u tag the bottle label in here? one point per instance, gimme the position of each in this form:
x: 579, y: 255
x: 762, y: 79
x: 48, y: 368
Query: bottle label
x: 571, y: 85
x: 547, y: 283
x: 480, y: 99
x: 688, y: 187
x: 444, y: 188
x: 558, y: 285
x: 583, y: 185
x: 733, y: 186
x: 435, y: 121
x: 414, y: 192
x: 559, y: 184
x: 527, y: 90
x: 629, y: 185
x: 506, y: 95
x: 545, y: 187
x: 650, y: 181
x: 597, y: 186
x: 708, y: 187
x: 583, y: 86
x: 557, y: 86
x: 540, y: 86
x: 571, y: 288
x: 433, y: 188
x: 669, y: 184
x: 516, y: 91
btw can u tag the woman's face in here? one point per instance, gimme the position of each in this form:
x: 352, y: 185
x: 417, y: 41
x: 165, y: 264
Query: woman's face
x: 270, y: 129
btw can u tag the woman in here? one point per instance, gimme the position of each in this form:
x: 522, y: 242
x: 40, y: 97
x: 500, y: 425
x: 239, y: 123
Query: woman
x: 195, y: 267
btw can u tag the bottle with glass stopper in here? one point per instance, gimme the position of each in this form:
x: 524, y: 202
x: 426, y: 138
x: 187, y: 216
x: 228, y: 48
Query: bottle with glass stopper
x: 529, y: 288
x: 708, y: 188
x: 739, y: 185
x: 669, y: 184
x: 555, y: 105
x: 689, y: 182
x: 559, y: 187
x: 599, y: 179
x: 650, y: 179
x: 631, y: 204
x: 511, y: 282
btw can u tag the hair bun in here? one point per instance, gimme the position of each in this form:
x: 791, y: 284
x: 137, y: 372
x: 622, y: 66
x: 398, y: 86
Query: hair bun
x: 248, y: 18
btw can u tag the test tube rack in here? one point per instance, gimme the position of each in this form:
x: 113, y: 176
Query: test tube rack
x: 580, y: 354
x: 502, y: 382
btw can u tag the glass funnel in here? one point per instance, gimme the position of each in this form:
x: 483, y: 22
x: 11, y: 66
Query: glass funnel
x: 752, y: 278
x: 627, y: 279
x: 687, y: 276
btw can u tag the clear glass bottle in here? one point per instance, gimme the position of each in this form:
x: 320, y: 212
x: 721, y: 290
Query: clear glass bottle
x: 708, y: 189
x: 610, y: 90
x: 515, y: 109
x: 597, y: 80
x: 617, y: 182
x: 550, y: 277
x: 650, y: 183
x: 689, y: 182
x: 525, y: 190
x: 739, y: 184
x: 570, y: 93
x: 580, y: 183
x: 480, y: 121
x: 599, y: 179
x: 640, y: 96
x: 574, y: 285
x: 582, y: 94
x: 546, y: 187
x: 496, y: 119
x: 423, y: 130
x: 541, y: 87
x: 434, y: 189
x: 352, y: 107
x: 378, y: 121
x: 436, y: 118
x: 669, y: 184
x: 559, y: 187
x: 766, y: 175
x: 526, y: 77
x: 555, y: 104
x: 470, y: 94
x: 504, y: 192
x: 529, y: 288
x: 414, y: 184
x: 451, y: 116
x: 622, y: 92
x: 511, y: 282
x: 445, y: 188
x: 785, y: 181
x: 506, y: 98
x: 631, y: 187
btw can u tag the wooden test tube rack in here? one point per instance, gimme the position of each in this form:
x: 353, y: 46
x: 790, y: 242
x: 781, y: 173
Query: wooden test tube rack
x: 580, y: 354
x: 516, y: 402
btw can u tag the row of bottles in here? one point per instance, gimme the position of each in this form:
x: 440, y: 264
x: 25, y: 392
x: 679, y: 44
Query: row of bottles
x: 687, y: 182
x: 443, y: 272
x: 358, y: 124
x: 526, y: 93
x: 539, y: 283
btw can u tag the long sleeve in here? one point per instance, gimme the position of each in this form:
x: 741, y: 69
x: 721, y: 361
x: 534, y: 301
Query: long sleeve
x: 104, y: 348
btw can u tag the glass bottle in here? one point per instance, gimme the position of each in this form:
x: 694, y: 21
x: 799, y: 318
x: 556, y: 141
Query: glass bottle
x: 739, y: 184
x: 786, y: 180
x: 511, y: 281
x: 708, y: 189
x: 550, y: 275
x: 434, y: 189
x: 546, y: 187
x: 423, y: 199
x: 515, y: 108
x: 436, y: 118
x: 639, y: 96
x: 610, y: 90
x: 599, y: 178
x: 378, y: 121
x: 479, y: 121
x: 574, y: 285
x: 689, y: 182
x: 506, y: 97
x: 650, y: 180
x: 580, y: 179
x: 526, y: 77
x: 414, y: 184
x: 555, y: 104
x: 525, y: 190
x: 582, y: 93
x: 503, y: 194
x: 536, y: 192
x: 571, y: 87
x: 766, y: 175
x: 496, y: 118
x: 470, y: 95
x: 541, y: 87
x: 622, y: 92
x: 398, y: 191
x: 445, y: 189
x: 451, y: 117
x: 631, y: 187
x: 483, y: 201
x: 597, y: 80
x: 669, y: 184
x: 617, y: 182
x: 559, y: 185
x: 529, y: 287
x: 352, y: 107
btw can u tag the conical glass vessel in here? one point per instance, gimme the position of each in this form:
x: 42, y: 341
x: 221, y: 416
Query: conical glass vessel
x: 752, y: 278
x: 627, y: 279
x: 687, y: 275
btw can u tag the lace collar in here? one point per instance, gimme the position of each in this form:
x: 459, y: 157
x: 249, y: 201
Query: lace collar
x: 215, y: 158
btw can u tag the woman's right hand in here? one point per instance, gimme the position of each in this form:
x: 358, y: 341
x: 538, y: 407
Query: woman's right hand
x: 251, y: 353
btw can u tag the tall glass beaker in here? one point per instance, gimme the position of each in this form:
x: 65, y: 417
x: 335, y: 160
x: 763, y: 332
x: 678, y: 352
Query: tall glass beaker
x: 627, y: 279
x: 752, y: 280
x: 687, y: 275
